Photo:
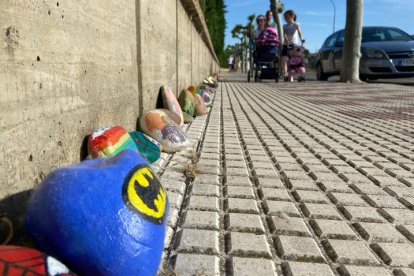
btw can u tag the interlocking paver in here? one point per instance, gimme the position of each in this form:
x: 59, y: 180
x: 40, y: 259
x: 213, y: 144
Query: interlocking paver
x: 310, y: 196
x: 201, y: 220
x: 366, y: 214
x: 383, y: 201
x: 248, y: 245
x: 349, y: 252
x: 322, y: 211
x: 396, y: 254
x: 302, y: 184
x: 346, y: 199
x: 334, y: 229
x: 298, y: 248
x: 199, y: 241
x: 281, y: 207
x: 192, y: 264
x: 352, y: 270
x: 253, y: 266
x: 238, y: 181
x: 204, y: 203
x: 307, y: 269
x: 399, y: 216
x: 205, y: 190
x: 289, y: 226
x: 378, y: 232
x: 275, y: 194
x: 245, y: 223
x: 241, y: 192
x: 241, y: 205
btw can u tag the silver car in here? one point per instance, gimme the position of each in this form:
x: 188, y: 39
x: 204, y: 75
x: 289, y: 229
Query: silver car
x: 387, y: 52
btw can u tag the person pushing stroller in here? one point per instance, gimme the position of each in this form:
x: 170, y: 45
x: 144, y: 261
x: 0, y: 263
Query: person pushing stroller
x: 292, y: 34
x: 266, y: 49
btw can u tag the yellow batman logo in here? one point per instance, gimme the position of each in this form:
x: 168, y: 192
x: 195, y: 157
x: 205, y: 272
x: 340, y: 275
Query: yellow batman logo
x: 143, y: 194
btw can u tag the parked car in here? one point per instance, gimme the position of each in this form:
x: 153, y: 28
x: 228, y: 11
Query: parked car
x: 387, y: 52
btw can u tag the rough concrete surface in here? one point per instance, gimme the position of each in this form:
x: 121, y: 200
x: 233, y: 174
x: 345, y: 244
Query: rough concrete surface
x: 334, y: 195
x: 68, y: 68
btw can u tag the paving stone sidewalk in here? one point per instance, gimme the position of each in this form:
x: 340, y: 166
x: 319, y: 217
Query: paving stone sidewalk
x: 295, y: 179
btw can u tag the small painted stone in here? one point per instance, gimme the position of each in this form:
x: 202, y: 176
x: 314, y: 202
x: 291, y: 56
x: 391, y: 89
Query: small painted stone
x: 201, y: 108
x: 158, y: 125
x: 187, y: 102
x: 187, y: 118
x: 149, y: 148
x: 192, y: 89
x: 16, y: 260
x: 170, y: 102
x: 109, y: 141
x: 206, y: 98
x: 104, y: 216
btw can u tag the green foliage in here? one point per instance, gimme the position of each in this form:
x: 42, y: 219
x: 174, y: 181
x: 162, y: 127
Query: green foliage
x: 214, y: 12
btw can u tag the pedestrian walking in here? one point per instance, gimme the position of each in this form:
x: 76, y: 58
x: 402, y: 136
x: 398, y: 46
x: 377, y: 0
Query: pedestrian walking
x: 230, y: 63
x: 292, y: 34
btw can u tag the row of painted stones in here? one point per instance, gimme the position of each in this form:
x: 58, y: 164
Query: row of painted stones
x: 312, y: 197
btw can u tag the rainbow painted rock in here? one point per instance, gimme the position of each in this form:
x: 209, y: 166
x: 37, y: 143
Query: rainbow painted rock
x: 109, y: 141
x: 104, y: 216
x: 201, y: 108
x: 187, y: 102
x: 170, y: 102
x: 148, y: 147
x: 16, y: 260
x: 192, y: 89
x: 158, y: 125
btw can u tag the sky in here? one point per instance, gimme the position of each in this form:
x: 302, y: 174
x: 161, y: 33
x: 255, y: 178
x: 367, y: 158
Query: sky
x: 316, y: 16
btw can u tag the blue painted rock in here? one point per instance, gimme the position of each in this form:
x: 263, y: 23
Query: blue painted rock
x: 16, y: 260
x: 104, y: 216
x: 148, y: 147
x: 158, y: 125
x: 170, y: 102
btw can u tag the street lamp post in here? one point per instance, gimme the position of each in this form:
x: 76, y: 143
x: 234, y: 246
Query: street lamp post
x: 334, y: 18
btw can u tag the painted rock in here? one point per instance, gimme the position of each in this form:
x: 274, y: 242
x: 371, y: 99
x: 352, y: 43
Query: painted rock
x: 187, y: 118
x: 209, y: 89
x: 201, y: 108
x: 187, y: 102
x: 158, y: 125
x: 148, y: 147
x: 170, y: 102
x: 192, y: 89
x: 109, y: 141
x: 104, y: 216
x: 205, y: 96
x: 16, y: 260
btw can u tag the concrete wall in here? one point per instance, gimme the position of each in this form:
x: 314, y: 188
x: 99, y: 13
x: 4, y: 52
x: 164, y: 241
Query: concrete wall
x: 69, y: 67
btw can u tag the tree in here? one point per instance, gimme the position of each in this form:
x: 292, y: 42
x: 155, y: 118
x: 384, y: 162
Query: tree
x: 214, y: 12
x: 352, y: 43
x: 277, y: 8
x: 239, y: 32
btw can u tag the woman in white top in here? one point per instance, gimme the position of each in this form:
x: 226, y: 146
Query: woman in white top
x: 291, y: 33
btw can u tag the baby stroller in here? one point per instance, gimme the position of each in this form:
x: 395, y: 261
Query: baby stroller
x: 297, y: 62
x: 266, y: 56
